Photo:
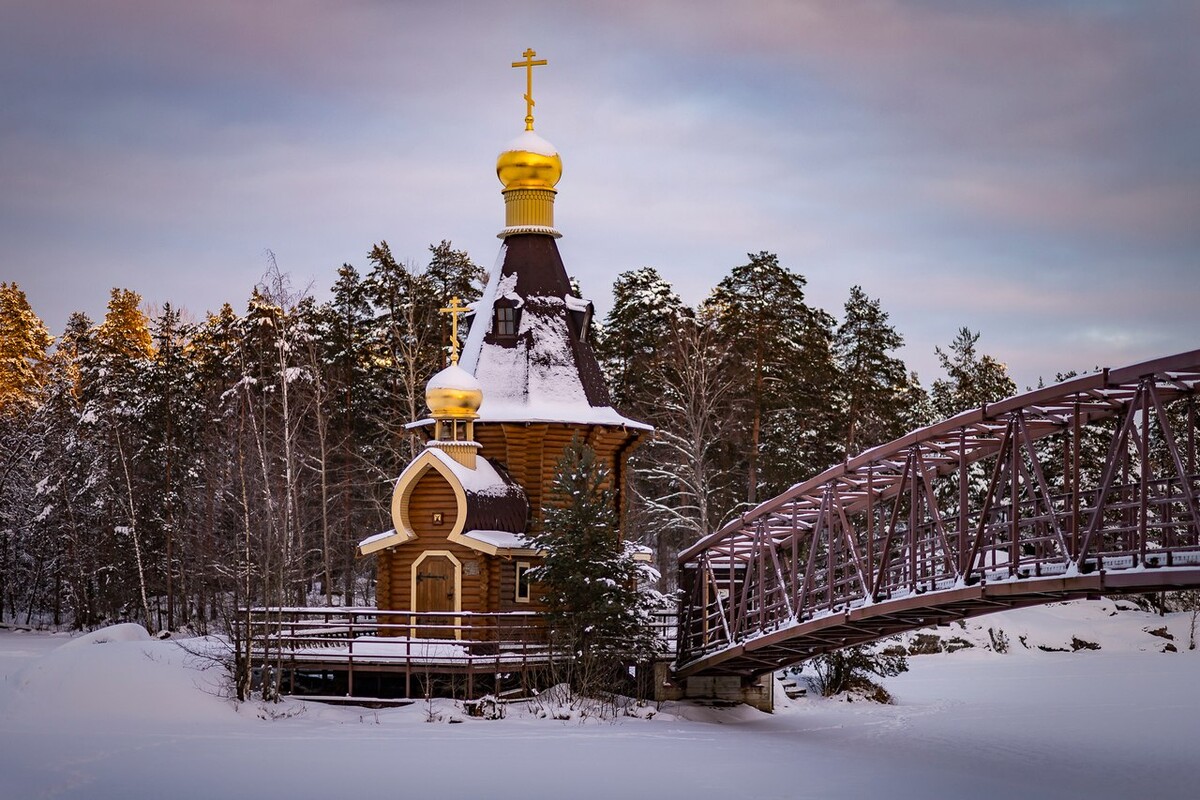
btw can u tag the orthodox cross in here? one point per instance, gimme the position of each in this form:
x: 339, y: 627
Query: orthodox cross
x: 529, y: 64
x: 455, y: 308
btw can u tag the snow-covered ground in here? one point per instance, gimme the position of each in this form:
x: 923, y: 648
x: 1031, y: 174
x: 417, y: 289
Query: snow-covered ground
x: 117, y: 715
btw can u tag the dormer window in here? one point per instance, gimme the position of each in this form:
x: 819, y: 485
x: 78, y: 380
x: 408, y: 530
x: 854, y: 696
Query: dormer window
x: 579, y: 312
x: 504, y: 323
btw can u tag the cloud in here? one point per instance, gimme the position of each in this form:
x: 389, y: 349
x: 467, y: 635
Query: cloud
x: 1097, y: 208
x: 1027, y: 169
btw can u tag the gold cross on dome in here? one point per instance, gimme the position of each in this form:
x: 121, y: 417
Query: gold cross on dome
x: 529, y: 64
x: 455, y: 308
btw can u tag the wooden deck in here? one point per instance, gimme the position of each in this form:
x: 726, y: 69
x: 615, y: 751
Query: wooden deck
x: 398, y: 651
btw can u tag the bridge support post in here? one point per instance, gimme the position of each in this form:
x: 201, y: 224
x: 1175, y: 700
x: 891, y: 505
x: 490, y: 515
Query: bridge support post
x: 756, y: 692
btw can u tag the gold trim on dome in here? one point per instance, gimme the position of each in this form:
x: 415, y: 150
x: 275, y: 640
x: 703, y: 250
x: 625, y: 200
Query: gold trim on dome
x: 529, y: 208
x: 540, y: 229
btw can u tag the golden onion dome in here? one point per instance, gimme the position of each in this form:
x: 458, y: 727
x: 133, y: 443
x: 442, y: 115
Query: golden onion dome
x: 529, y: 162
x: 453, y: 393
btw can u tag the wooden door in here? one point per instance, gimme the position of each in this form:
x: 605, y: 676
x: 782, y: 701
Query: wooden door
x: 435, y: 592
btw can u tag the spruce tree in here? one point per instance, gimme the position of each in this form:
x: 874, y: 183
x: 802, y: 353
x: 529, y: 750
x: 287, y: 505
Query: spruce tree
x: 589, y: 580
x: 645, y: 317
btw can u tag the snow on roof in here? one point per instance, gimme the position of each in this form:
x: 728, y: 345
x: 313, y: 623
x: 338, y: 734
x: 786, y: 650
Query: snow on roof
x: 572, y: 413
x: 481, y: 325
x: 502, y: 540
x: 547, y: 372
x: 537, y: 378
x: 378, y: 537
x: 577, y: 303
x: 539, y: 381
x: 483, y: 480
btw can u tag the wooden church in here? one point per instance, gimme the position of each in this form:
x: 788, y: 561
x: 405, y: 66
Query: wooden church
x: 526, y: 384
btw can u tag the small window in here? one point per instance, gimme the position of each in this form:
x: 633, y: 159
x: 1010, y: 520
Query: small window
x: 506, y: 321
x: 523, y: 586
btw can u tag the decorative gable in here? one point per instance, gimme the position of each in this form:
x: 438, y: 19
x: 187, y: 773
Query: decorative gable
x: 436, y: 492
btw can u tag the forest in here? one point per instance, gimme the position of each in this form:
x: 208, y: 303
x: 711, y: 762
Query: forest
x: 167, y: 470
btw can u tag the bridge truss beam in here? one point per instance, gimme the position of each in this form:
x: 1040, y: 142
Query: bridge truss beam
x: 997, y: 507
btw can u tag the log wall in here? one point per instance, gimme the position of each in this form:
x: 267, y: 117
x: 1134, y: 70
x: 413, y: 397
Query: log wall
x: 431, y: 494
x: 531, y: 453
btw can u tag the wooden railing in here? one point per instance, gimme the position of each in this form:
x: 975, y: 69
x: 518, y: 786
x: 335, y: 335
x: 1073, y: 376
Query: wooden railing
x: 388, y: 636
x: 360, y: 639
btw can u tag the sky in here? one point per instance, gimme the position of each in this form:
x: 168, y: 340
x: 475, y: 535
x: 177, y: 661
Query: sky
x: 1028, y: 169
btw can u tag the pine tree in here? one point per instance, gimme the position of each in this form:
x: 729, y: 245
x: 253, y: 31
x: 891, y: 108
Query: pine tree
x: 916, y: 405
x: 126, y: 329
x: 971, y: 379
x: 24, y: 343
x: 171, y: 414
x: 407, y: 340
x: 112, y: 380
x: 221, y: 511
x: 24, y: 362
x: 589, y: 580
x: 800, y: 432
x: 781, y: 348
x: 70, y: 490
x: 454, y: 274
x: 356, y: 488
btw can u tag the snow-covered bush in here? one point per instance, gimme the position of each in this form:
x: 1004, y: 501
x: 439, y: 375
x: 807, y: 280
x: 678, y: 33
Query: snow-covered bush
x: 854, y: 669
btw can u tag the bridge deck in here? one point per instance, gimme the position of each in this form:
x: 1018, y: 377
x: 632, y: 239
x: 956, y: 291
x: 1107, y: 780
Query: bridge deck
x: 798, y: 640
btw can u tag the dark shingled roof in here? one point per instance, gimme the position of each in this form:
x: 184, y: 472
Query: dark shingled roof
x: 547, y: 369
x: 498, y: 508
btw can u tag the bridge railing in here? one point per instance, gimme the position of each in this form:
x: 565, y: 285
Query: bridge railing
x: 1097, y: 473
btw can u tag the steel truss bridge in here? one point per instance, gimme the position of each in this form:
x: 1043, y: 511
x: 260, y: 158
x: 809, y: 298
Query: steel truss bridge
x: 1084, y: 488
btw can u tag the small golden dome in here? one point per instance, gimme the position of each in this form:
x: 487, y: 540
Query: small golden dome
x: 453, y: 393
x: 529, y: 162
